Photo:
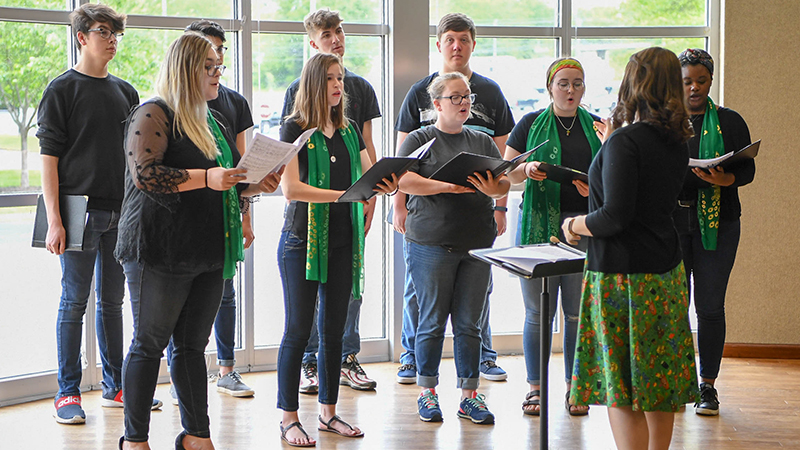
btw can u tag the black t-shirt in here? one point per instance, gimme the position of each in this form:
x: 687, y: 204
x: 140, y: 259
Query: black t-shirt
x: 634, y: 183
x: 735, y: 136
x: 234, y: 108
x: 575, y: 153
x: 340, y: 232
x: 459, y: 221
x: 362, y: 103
x: 490, y: 112
x: 81, y: 121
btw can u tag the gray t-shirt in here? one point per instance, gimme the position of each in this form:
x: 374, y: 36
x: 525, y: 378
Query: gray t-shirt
x: 458, y: 221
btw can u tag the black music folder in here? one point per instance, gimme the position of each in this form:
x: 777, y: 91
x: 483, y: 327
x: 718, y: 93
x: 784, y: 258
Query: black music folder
x: 748, y: 152
x: 534, y: 261
x: 362, y: 189
x: 73, y: 216
x: 562, y: 174
x: 465, y: 164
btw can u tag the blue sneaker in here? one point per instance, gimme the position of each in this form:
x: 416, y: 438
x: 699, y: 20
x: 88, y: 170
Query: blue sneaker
x: 492, y: 372
x: 407, y: 374
x: 428, y: 405
x: 475, y: 410
x: 69, y: 411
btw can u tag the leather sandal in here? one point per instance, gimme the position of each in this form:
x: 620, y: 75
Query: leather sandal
x: 329, y: 428
x: 580, y: 412
x: 299, y: 427
x: 529, y: 402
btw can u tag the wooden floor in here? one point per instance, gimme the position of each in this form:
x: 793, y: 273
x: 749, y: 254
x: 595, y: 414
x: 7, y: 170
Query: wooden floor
x: 760, y: 409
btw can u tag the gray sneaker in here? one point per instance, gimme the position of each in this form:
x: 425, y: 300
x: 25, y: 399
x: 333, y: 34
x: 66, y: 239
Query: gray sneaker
x: 233, y: 385
x: 173, y: 395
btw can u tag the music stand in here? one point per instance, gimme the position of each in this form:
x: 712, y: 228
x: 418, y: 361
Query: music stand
x: 538, y: 261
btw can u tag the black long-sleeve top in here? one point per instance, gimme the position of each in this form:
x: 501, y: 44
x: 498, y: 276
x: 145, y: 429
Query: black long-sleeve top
x: 634, y: 183
x: 159, y: 225
x: 735, y: 136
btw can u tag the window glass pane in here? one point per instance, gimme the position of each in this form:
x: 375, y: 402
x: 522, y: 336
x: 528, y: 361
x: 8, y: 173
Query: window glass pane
x: 183, y: 8
x: 532, y: 13
x: 638, y: 13
x: 604, y: 62
x: 31, y: 283
x: 37, y: 4
x: 139, y: 57
x: 362, y: 11
x: 23, y: 77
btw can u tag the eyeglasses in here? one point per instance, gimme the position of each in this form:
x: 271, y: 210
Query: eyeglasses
x: 577, y: 85
x: 106, y: 33
x: 459, y: 99
x: 221, y: 49
x: 212, y: 70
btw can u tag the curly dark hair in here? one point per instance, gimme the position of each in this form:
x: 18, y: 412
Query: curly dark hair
x: 652, y: 92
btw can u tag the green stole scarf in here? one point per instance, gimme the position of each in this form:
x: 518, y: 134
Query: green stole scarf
x: 319, y: 174
x: 711, y: 146
x: 541, y: 209
x: 231, y: 214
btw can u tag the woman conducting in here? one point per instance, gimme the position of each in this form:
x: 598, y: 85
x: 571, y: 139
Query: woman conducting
x: 321, y: 250
x: 546, y: 204
x: 444, y: 222
x: 707, y: 216
x: 180, y: 234
x: 635, y: 352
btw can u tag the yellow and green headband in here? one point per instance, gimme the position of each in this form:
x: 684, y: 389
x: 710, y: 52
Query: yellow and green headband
x: 567, y: 63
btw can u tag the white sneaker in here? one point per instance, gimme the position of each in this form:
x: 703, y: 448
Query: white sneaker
x: 309, y: 383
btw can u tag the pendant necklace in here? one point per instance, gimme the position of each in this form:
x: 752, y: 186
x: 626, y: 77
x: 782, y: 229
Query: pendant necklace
x: 570, y: 126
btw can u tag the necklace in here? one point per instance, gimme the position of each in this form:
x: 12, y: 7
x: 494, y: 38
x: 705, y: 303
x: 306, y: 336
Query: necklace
x: 570, y: 126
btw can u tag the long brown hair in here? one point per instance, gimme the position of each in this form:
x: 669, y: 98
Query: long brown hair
x: 311, y: 104
x: 652, y: 92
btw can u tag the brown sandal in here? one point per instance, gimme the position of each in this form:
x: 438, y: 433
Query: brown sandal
x: 330, y: 429
x: 529, y: 402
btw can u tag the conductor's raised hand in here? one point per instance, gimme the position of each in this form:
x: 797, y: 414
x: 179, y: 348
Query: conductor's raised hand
x: 220, y: 179
x: 532, y: 171
x: 604, y: 128
x: 489, y: 185
x: 271, y: 182
x: 387, y: 186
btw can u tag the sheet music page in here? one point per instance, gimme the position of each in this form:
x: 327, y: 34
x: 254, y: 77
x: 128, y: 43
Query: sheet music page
x: 266, y: 155
x: 706, y: 163
x: 528, y: 258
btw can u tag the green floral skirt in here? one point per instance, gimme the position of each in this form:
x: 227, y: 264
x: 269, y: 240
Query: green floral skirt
x: 634, y: 344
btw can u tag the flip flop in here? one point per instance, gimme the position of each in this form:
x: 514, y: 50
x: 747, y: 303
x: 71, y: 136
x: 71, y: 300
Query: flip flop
x: 299, y: 427
x: 529, y: 402
x: 582, y: 412
x: 330, y: 429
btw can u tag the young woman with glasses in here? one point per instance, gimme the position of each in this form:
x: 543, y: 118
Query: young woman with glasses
x: 546, y: 203
x: 180, y: 234
x: 444, y: 222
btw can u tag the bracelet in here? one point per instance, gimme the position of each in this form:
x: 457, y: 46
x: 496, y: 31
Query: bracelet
x: 206, y: 178
x: 500, y: 208
x: 394, y: 192
x: 569, y: 226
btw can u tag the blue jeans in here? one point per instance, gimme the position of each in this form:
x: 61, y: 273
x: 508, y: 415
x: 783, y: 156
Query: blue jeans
x: 351, y: 341
x: 448, y: 283
x: 77, y: 268
x: 224, y: 328
x: 570, y: 287
x: 411, y: 319
x: 299, y: 301
x: 176, y: 304
x: 710, y: 271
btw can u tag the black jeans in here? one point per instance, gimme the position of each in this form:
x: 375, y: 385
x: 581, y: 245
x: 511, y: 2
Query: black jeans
x: 299, y: 301
x: 708, y: 272
x: 180, y: 303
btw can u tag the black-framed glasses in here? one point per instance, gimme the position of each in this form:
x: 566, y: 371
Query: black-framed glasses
x: 212, y: 70
x: 576, y: 85
x: 105, y: 33
x: 221, y: 49
x: 459, y: 99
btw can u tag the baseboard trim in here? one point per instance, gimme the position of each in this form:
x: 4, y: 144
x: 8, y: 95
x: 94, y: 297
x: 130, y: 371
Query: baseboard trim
x: 763, y: 351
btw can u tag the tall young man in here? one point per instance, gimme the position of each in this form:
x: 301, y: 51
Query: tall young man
x: 490, y: 114
x: 326, y: 35
x: 81, y: 125
x: 234, y: 108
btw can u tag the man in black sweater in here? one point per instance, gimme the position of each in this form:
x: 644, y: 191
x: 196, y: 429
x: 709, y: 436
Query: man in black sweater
x: 81, y: 125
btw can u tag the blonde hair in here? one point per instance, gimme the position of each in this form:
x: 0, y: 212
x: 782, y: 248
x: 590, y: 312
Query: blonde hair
x: 179, y: 84
x: 311, y: 105
x: 436, y: 88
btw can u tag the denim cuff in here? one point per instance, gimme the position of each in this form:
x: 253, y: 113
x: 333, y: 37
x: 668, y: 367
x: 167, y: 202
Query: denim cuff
x: 468, y: 383
x: 408, y: 358
x: 427, y: 382
x: 226, y: 362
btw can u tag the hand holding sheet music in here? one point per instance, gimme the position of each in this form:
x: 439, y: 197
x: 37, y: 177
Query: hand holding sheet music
x: 266, y: 155
x: 750, y: 151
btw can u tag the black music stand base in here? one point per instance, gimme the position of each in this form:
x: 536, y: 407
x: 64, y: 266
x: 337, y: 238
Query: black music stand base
x: 545, y: 328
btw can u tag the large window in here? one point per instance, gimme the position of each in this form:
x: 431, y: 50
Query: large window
x: 267, y: 50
